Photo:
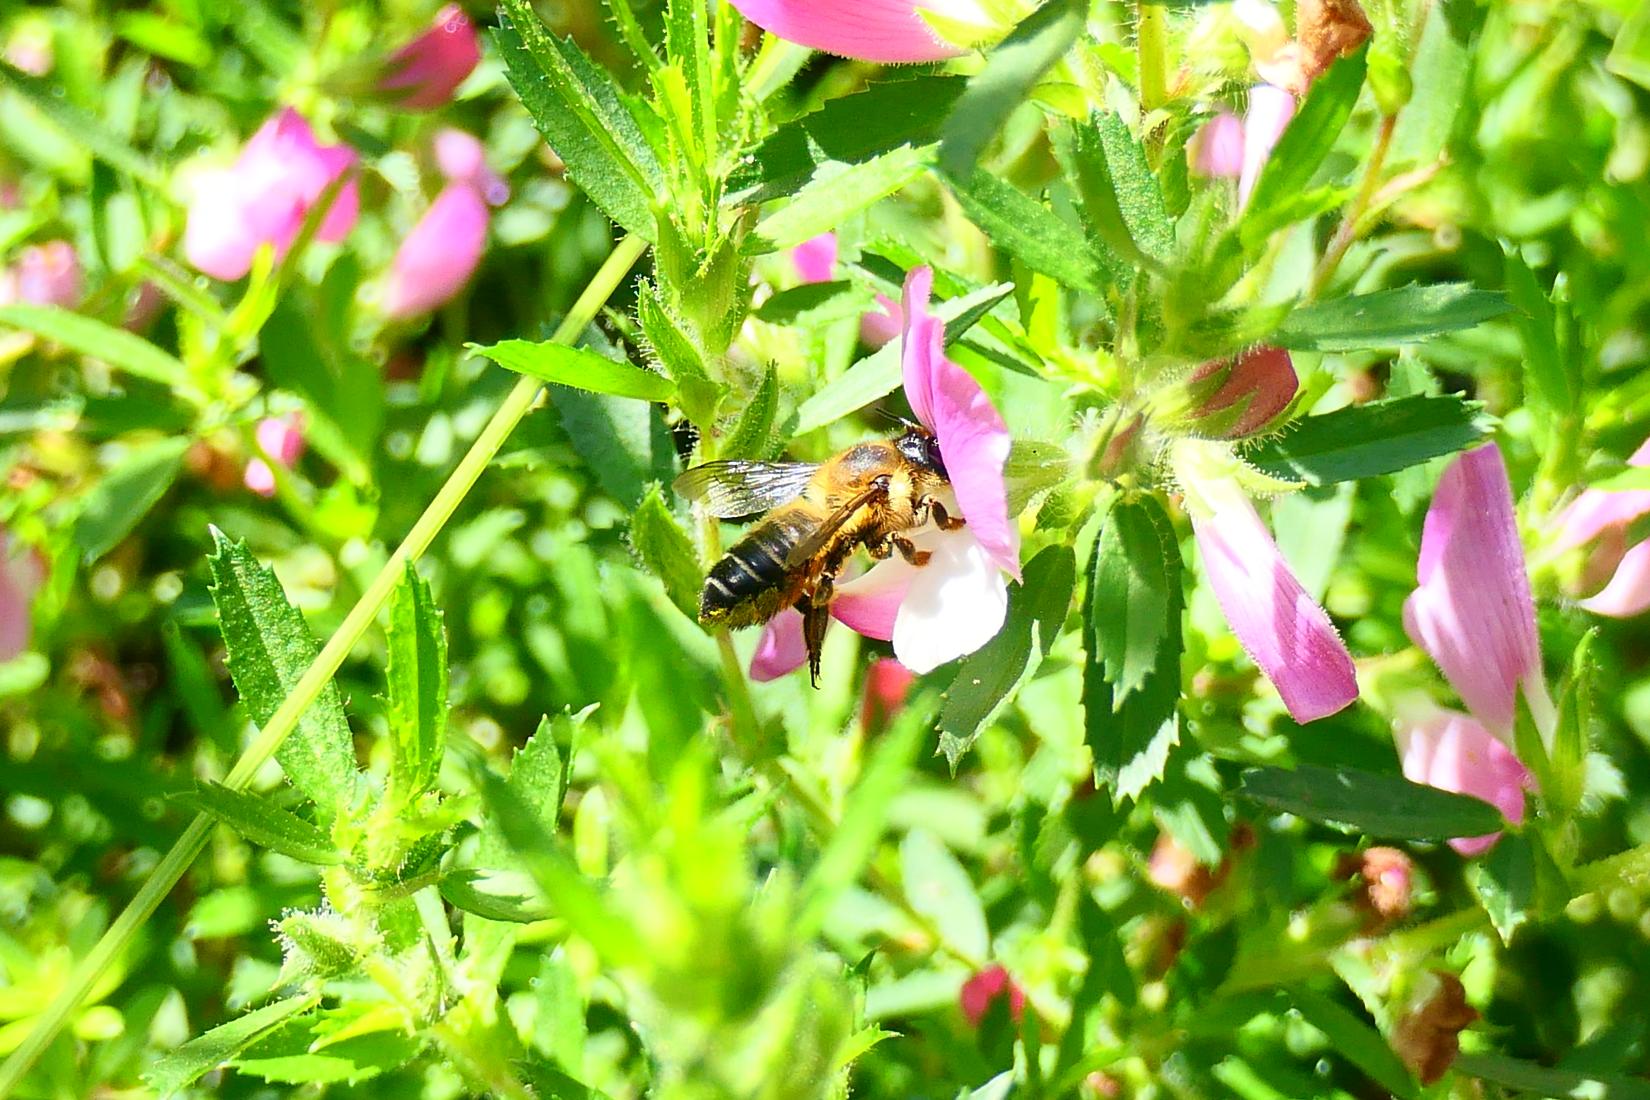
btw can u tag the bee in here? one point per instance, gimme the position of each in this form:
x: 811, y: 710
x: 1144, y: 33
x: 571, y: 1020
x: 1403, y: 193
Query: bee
x: 818, y: 514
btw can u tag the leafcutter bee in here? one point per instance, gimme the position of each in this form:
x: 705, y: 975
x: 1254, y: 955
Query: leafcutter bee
x: 867, y: 495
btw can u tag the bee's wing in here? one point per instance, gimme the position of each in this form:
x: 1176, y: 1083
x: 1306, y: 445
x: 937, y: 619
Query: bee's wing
x: 738, y: 487
x: 827, y: 529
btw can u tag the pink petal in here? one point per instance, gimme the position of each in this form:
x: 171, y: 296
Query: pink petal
x: 979, y: 991
x: 1217, y: 150
x: 21, y: 574
x: 883, y: 324
x: 1449, y: 750
x: 48, y: 275
x: 432, y: 66
x: 815, y: 259
x: 887, y: 683
x: 1284, y: 632
x: 1595, y: 511
x: 869, y: 604
x: 1270, y: 109
x: 1628, y: 592
x: 1472, y: 611
x: 282, y: 437
x: 463, y: 159
x: 259, y: 477
x: 974, y: 441
x: 219, y: 240
x: 781, y: 649
x: 440, y: 254
x: 884, y: 31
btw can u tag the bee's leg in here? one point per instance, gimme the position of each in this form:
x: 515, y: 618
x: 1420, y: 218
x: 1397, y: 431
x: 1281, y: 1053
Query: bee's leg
x: 880, y: 549
x: 944, y: 520
x: 816, y: 616
x: 908, y: 550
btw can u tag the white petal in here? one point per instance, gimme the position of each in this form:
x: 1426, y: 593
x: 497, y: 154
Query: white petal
x: 956, y: 604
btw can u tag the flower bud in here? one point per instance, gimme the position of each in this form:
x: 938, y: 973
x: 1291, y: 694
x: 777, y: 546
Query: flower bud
x: 1217, y: 148
x: 282, y: 439
x: 1236, y: 398
x: 1428, y: 1035
x: 437, y: 258
x: 980, y: 991
x: 886, y: 685
x: 22, y: 572
x: 44, y: 275
x: 1385, y: 882
x: 423, y: 74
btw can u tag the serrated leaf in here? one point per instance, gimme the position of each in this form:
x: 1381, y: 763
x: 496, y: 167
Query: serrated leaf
x: 125, y: 494
x: 1034, y: 467
x: 176, y: 1069
x: 417, y: 676
x: 989, y: 677
x: 676, y: 355
x: 1134, y: 579
x: 580, y: 368
x: 1552, y: 383
x: 752, y: 434
x: 624, y: 443
x: 1362, y: 441
x: 502, y: 895
x: 1117, y: 191
x: 1388, y: 318
x: 1385, y: 806
x: 667, y: 552
x: 270, y: 648
x: 301, y: 1054
x: 263, y: 823
x: 1011, y: 70
x: 940, y: 889
x: 120, y: 349
x: 578, y: 110
x: 1517, y: 883
x: 1027, y: 230
x: 835, y: 193
x: 1309, y: 137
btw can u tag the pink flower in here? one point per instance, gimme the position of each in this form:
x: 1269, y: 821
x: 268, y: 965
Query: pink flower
x: 815, y: 259
x: 44, y: 275
x: 781, y: 648
x: 426, y: 71
x: 1453, y: 752
x: 1217, y: 149
x: 461, y: 158
x: 884, y: 31
x: 957, y: 602
x: 1270, y: 109
x: 22, y: 572
x: 882, y: 325
x: 264, y: 197
x: 1284, y: 631
x: 282, y: 439
x: 1238, y: 397
x: 989, y: 985
x: 1472, y: 611
x: 437, y: 258
x: 1604, y: 514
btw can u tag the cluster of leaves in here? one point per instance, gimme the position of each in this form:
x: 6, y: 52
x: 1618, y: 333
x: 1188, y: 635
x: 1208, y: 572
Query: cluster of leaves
x: 683, y: 887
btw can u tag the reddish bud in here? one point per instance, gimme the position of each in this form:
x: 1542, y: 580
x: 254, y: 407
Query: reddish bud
x: 1428, y: 1037
x: 1328, y: 29
x: 887, y: 683
x: 987, y: 986
x: 1385, y: 882
x: 426, y: 71
x: 1238, y: 397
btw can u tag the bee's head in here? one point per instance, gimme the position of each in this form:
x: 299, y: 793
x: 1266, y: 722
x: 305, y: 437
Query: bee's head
x: 920, y: 446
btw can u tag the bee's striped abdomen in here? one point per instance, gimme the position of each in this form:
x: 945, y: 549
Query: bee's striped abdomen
x: 750, y: 583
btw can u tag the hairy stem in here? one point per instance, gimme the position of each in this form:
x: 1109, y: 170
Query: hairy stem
x: 176, y: 861
x: 1347, y: 231
x: 1151, y: 40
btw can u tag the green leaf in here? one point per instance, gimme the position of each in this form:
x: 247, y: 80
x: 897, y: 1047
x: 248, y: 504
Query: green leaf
x: 578, y: 110
x: 82, y: 129
x: 1388, y: 318
x: 1134, y: 583
x: 939, y: 888
x: 1027, y: 230
x: 676, y: 356
x: 1551, y: 383
x: 176, y: 1069
x: 813, y: 304
x: 1539, y: 1080
x: 120, y: 349
x: 579, y: 368
x: 1033, y: 467
x: 1516, y: 882
x: 1386, y: 806
x: 1630, y: 56
x: 834, y: 194
x: 263, y: 823
x: 270, y: 648
x: 667, y: 552
x: 497, y: 895
x: 1310, y: 136
x: 1362, y: 441
x: 1355, y: 1039
x: 1118, y: 193
x: 752, y: 434
x: 1440, y: 71
x: 847, y: 130
x: 624, y: 443
x: 1011, y: 70
x: 325, y: 1049
x: 878, y: 374
x: 127, y: 492
x: 417, y: 677
x: 990, y: 677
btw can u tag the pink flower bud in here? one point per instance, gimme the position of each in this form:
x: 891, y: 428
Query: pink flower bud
x: 437, y: 258
x: 264, y: 197
x: 983, y: 988
x: 282, y: 439
x: 425, y: 72
x: 1238, y: 397
x: 462, y: 159
x: 44, y: 275
x: 22, y: 572
x: 887, y: 683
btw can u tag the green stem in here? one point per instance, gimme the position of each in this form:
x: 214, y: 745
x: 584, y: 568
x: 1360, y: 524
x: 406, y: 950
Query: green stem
x: 1151, y: 41
x: 176, y: 861
x: 1347, y: 232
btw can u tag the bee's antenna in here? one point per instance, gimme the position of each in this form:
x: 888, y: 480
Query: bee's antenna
x: 892, y: 417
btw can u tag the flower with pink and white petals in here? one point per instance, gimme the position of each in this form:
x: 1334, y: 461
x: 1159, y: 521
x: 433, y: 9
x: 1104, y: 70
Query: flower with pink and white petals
x: 424, y: 74
x: 1454, y: 752
x: 22, y: 572
x: 44, y: 275
x: 884, y: 31
x: 1628, y: 591
x: 264, y: 197
x: 1604, y: 515
x: 1284, y: 631
x: 282, y: 439
x: 1270, y: 110
x: 1472, y: 610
